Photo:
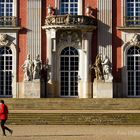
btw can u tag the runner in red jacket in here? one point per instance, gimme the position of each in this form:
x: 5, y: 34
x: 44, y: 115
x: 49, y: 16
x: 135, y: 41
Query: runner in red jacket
x: 4, y: 117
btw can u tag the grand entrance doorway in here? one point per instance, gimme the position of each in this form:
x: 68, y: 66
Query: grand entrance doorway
x: 5, y: 72
x: 133, y: 71
x: 69, y: 66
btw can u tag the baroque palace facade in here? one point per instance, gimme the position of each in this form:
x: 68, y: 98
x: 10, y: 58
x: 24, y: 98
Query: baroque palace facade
x: 69, y: 48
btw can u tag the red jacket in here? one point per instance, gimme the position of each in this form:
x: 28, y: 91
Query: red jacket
x: 3, y: 112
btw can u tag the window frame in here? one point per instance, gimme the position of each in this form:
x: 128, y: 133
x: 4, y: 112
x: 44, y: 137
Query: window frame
x: 133, y: 66
x: 68, y: 86
x: 132, y: 17
x: 14, y: 8
x: 80, y: 6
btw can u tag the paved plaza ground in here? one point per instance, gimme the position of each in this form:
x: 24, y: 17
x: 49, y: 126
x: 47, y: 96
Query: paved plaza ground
x: 73, y: 132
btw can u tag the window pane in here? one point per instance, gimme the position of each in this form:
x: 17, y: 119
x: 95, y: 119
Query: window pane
x: 69, y: 7
x: 133, y: 12
x: 6, y: 7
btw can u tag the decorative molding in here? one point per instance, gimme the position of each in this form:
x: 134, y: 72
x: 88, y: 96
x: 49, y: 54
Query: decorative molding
x: 80, y: 22
x: 3, y: 40
x: 70, y: 20
x: 135, y: 41
x: 69, y: 38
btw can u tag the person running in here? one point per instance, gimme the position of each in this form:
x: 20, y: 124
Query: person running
x: 4, y: 117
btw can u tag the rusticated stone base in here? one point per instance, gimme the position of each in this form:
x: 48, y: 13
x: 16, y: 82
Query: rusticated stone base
x: 102, y: 89
x: 32, y: 89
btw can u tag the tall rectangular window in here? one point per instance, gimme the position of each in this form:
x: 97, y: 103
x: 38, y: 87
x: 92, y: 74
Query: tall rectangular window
x: 6, y: 7
x: 69, y: 7
x: 133, y: 12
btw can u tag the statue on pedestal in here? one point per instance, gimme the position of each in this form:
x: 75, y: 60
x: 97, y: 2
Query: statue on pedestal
x: 103, y: 69
x: 27, y: 68
x: 107, y: 70
x: 36, y: 67
x: 97, y: 66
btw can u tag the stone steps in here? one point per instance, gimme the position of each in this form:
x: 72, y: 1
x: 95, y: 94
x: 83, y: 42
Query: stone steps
x: 74, y: 118
x: 73, y: 104
x: 55, y: 111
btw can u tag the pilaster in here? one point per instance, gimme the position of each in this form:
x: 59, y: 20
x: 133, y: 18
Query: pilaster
x: 85, y: 83
x: 34, y: 28
x: 105, y: 28
x: 51, y: 47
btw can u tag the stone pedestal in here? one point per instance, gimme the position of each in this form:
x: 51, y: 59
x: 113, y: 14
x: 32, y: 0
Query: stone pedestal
x: 102, y: 89
x: 32, y: 89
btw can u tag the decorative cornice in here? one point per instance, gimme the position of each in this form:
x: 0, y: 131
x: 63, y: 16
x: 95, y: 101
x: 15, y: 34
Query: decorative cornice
x: 76, y: 27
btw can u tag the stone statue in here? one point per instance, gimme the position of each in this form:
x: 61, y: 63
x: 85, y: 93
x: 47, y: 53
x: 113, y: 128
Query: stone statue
x: 27, y: 68
x: 36, y: 68
x: 107, y: 70
x: 50, y: 11
x: 98, y: 68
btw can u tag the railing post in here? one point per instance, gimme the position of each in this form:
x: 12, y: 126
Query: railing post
x: 124, y: 21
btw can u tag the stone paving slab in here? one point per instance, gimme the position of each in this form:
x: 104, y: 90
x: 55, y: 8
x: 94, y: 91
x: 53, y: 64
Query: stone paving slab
x: 73, y: 132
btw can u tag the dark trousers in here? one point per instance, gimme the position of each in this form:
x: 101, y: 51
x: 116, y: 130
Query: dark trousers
x: 4, y: 127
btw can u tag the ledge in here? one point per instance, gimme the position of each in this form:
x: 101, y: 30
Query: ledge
x: 73, y: 27
x: 128, y: 28
x: 10, y: 28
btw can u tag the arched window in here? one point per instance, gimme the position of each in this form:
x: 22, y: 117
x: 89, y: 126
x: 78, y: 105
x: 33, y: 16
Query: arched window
x: 5, y: 71
x: 69, y: 66
x: 133, y: 71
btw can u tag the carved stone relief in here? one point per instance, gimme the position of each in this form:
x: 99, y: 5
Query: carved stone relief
x: 3, y: 40
x: 135, y: 41
x: 69, y: 38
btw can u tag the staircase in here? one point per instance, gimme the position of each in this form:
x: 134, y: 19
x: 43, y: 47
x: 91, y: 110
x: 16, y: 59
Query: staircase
x: 74, y: 111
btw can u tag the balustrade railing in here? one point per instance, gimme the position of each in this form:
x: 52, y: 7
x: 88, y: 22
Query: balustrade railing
x: 70, y: 20
x: 8, y: 21
x: 132, y: 21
